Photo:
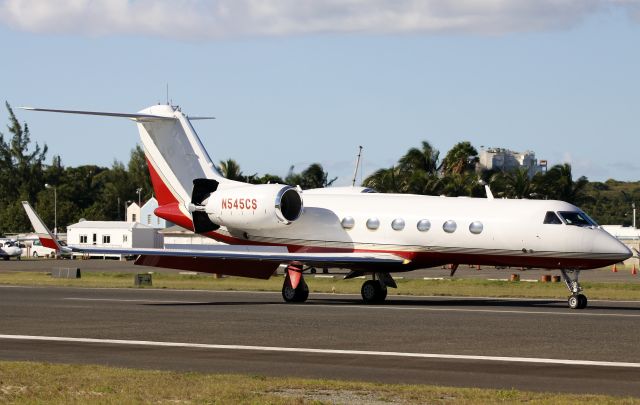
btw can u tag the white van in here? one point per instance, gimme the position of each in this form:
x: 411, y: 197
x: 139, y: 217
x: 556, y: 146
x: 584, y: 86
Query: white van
x: 37, y: 250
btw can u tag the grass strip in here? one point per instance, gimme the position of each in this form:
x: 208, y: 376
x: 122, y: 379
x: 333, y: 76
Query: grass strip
x: 30, y: 382
x: 418, y: 287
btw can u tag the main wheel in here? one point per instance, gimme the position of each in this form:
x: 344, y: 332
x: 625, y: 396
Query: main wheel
x: 290, y: 294
x: 574, y: 302
x: 582, y: 301
x: 373, y: 292
x: 35, y: 254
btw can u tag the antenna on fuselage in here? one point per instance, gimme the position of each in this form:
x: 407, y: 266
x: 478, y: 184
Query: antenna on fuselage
x: 355, y: 172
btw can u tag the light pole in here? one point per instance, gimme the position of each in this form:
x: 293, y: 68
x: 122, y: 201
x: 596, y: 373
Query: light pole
x: 633, y: 205
x: 139, y: 192
x: 126, y: 205
x: 55, y: 208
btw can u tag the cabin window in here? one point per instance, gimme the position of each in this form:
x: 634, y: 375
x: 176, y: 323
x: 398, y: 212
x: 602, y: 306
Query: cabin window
x: 106, y: 239
x: 552, y: 218
x: 450, y: 226
x: 373, y: 223
x: 348, y: 222
x: 424, y: 225
x: 83, y: 238
x: 576, y: 218
x: 397, y: 224
x: 476, y: 227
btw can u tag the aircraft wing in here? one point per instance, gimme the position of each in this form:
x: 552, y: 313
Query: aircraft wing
x: 256, y: 254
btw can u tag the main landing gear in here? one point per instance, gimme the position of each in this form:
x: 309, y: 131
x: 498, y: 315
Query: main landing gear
x: 374, y: 291
x: 294, y: 288
x: 576, y: 300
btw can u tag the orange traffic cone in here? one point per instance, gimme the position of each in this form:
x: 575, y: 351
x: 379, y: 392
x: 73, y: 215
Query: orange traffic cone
x: 634, y: 270
x: 614, y: 269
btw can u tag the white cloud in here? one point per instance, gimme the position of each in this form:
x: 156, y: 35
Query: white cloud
x: 200, y: 19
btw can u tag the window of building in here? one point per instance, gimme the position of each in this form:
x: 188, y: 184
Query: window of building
x: 552, y: 218
x: 149, y: 219
x: 133, y: 217
x: 83, y: 238
x: 106, y: 239
x: 124, y: 238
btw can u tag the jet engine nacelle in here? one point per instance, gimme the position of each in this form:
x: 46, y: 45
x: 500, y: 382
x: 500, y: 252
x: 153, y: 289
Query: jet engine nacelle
x: 263, y: 206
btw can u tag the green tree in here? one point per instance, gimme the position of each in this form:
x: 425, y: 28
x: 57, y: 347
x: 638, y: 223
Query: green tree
x: 313, y: 176
x: 139, y: 173
x: 461, y: 158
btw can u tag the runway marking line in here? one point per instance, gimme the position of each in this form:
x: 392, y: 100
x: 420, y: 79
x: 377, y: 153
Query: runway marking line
x: 323, y: 351
x: 387, y: 307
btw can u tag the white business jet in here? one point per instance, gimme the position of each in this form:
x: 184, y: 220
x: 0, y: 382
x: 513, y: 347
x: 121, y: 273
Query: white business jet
x: 369, y: 233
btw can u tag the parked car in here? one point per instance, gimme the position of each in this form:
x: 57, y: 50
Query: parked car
x: 37, y: 250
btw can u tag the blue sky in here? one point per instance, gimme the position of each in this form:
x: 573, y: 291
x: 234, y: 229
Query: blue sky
x: 297, y: 85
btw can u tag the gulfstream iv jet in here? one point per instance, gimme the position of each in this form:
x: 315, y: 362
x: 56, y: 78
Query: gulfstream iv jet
x: 371, y: 234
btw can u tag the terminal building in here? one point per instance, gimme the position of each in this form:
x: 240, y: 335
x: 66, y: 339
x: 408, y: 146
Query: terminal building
x: 500, y: 159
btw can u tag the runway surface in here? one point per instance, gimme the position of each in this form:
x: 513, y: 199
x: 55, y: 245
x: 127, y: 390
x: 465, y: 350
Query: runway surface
x: 476, y: 342
x: 464, y: 271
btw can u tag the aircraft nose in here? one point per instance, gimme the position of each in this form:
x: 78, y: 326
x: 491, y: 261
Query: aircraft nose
x: 616, y: 248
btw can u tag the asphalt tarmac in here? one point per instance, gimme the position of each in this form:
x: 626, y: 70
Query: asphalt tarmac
x: 531, y: 344
x: 464, y: 271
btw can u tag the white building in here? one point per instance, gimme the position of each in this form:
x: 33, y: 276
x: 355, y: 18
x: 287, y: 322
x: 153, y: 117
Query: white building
x: 114, y: 234
x: 508, y: 160
x: 176, y: 237
x: 146, y: 215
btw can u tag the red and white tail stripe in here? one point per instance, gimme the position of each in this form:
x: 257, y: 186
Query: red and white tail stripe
x: 44, y: 234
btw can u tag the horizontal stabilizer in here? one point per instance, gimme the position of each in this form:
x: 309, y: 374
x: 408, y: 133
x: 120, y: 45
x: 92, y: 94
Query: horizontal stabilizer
x: 134, y: 116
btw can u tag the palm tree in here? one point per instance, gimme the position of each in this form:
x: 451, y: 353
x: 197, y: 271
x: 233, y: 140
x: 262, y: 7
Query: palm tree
x: 383, y: 181
x: 461, y: 158
x: 559, y: 184
x: 231, y: 170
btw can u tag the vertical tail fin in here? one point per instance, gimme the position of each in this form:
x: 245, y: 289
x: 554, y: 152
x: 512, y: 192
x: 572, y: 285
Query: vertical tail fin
x: 175, y: 156
x: 44, y: 234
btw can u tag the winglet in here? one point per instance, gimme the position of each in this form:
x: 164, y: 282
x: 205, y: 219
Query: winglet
x: 44, y: 234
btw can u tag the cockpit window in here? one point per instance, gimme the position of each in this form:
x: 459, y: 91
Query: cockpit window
x: 552, y: 218
x: 576, y: 218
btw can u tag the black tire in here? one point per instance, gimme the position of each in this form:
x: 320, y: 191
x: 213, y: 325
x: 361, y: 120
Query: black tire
x: 290, y: 294
x: 372, y: 292
x: 35, y: 254
x: 582, y: 301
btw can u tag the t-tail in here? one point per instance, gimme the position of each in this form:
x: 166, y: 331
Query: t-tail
x: 44, y: 234
x: 184, y: 177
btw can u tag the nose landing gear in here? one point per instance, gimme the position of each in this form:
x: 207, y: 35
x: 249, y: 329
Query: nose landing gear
x: 576, y: 300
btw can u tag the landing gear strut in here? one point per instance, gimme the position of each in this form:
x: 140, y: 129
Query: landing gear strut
x: 374, y: 291
x: 576, y: 300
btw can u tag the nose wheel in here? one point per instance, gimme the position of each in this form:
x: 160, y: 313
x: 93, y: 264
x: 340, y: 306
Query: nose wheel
x: 576, y: 300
